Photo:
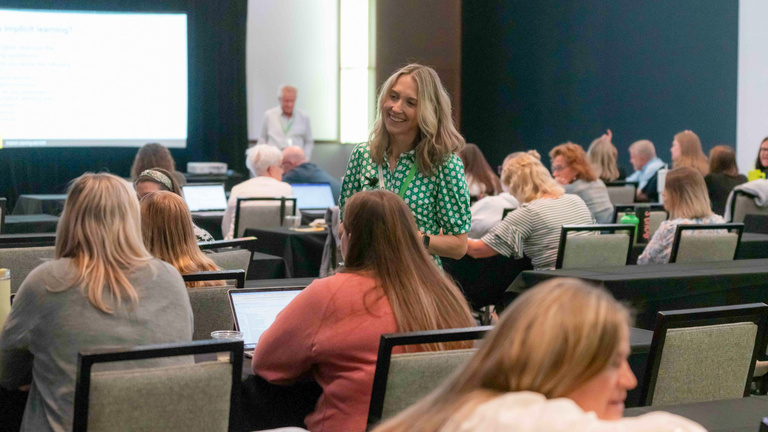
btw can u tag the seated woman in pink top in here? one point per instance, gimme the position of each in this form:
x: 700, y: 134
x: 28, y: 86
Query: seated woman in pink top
x: 331, y: 331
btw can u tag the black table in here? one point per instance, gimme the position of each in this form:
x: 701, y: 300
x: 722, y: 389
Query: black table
x: 210, y: 221
x: 752, y: 246
x: 731, y: 415
x: 657, y: 287
x: 484, y: 280
x: 264, y: 266
x: 280, y: 283
x: 8, y: 241
x: 754, y: 223
x: 39, y: 223
x: 302, y: 251
x: 640, y: 345
x: 30, y: 204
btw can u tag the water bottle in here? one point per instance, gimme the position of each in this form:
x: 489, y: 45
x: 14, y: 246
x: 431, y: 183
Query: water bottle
x: 631, y: 219
x: 5, y: 295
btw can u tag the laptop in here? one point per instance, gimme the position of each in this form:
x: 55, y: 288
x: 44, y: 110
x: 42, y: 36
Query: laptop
x: 313, y: 196
x: 256, y: 309
x: 205, y: 197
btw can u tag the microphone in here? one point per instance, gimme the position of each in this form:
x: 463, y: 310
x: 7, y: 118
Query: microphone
x: 372, y: 181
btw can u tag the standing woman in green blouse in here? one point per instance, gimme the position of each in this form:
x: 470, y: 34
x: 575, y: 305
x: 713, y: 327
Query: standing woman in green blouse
x: 412, y: 151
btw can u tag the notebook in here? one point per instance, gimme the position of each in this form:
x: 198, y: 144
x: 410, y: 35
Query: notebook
x: 205, y: 197
x: 313, y: 196
x: 256, y: 309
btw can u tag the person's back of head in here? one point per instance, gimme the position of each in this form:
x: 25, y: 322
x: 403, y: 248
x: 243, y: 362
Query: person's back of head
x: 552, y: 340
x: 691, y: 153
x: 100, y: 230
x: 528, y: 179
x: 152, y: 155
x: 261, y: 157
x: 293, y: 156
x: 476, y: 166
x: 166, y: 227
x: 685, y: 194
x: 602, y: 154
x: 156, y: 179
x: 381, y: 239
x: 722, y: 159
x: 640, y: 153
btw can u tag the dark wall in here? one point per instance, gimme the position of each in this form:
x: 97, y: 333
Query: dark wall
x: 217, y: 105
x: 537, y: 74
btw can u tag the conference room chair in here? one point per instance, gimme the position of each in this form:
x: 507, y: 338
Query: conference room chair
x: 237, y: 275
x: 704, y: 354
x: 706, y: 247
x: 754, y: 223
x: 210, y: 305
x: 234, y: 254
x: 656, y: 214
x: 173, y: 398
x: 262, y: 212
x: 3, y: 211
x: 585, y: 246
x: 27, y: 240
x: 21, y: 262
x: 401, y: 380
x: 742, y: 204
x: 621, y: 192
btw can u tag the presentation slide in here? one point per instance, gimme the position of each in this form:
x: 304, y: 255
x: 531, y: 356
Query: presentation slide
x: 83, y: 79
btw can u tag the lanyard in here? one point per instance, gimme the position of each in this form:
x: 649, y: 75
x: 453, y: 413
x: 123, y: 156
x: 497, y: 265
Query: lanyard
x: 287, y: 127
x: 406, y: 182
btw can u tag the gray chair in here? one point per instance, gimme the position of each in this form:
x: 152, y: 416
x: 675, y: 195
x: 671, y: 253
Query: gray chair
x: 743, y: 204
x: 712, y: 245
x: 210, y: 307
x: 181, y: 397
x: 21, y: 261
x: 401, y: 380
x: 607, y: 245
x: 704, y: 354
x: 621, y: 192
x: 262, y: 212
x: 234, y: 254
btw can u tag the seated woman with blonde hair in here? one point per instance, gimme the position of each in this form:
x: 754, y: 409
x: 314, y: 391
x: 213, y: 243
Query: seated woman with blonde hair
x: 533, y: 229
x: 602, y: 155
x: 556, y: 361
x: 687, y: 201
x: 166, y: 226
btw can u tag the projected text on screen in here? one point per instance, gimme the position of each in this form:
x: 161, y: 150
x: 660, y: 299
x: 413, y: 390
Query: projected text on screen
x: 92, y: 79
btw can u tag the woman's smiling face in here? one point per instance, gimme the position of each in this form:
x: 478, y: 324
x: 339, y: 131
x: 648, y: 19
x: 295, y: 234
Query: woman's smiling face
x: 401, y: 108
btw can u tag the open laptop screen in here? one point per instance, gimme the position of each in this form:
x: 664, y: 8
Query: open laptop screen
x: 256, y: 309
x: 310, y: 196
x: 205, y: 197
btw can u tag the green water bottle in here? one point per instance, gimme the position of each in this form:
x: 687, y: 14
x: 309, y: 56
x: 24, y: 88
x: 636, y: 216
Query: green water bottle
x: 630, y: 218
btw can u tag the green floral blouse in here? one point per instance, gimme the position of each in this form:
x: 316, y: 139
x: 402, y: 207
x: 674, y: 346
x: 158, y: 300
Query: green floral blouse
x: 439, y: 201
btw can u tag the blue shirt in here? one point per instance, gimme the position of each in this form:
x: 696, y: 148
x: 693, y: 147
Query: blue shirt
x: 311, y: 173
x: 646, y: 173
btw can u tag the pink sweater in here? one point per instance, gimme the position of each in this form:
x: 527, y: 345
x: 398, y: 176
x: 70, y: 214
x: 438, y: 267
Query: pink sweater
x: 331, y: 330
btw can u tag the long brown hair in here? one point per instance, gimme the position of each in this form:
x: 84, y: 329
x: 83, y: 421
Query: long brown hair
x: 437, y: 138
x: 384, y: 242
x: 551, y: 340
x: 100, y: 231
x: 166, y: 226
x: 691, y: 154
x: 722, y: 159
x: 576, y: 158
x: 152, y: 155
x: 477, y: 167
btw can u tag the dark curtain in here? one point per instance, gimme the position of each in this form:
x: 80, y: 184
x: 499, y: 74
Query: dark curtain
x: 217, y: 118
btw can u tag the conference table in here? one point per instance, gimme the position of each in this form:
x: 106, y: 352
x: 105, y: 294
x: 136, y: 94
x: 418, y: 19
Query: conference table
x: 730, y: 415
x: 302, y: 250
x: 34, y: 223
x: 652, y: 288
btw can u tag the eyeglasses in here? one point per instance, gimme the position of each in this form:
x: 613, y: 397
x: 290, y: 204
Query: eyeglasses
x: 556, y: 168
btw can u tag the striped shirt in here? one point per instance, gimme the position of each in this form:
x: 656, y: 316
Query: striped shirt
x: 533, y: 229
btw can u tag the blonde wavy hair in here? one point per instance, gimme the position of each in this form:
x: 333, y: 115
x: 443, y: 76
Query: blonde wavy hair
x: 691, y: 153
x: 100, y: 231
x: 602, y: 155
x: 527, y: 179
x: 437, y: 138
x: 166, y: 226
x: 552, y: 339
x: 686, y: 194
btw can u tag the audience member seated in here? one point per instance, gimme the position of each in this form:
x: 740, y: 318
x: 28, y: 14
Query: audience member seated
x: 602, y: 155
x: 533, y: 229
x: 556, y: 361
x: 687, y: 201
x: 571, y: 169
x: 103, y: 289
x: 642, y: 156
x: 761, y: 163
x: 481, y: 180
x: 265, y: 162
x: 488, y: 212
x: 686, y: 152
x: 331, y: 330
x: 154, y: 155
x: 158, y: 179
x: 296, y: 169
x: 723, y: 176
x: 166, y: 227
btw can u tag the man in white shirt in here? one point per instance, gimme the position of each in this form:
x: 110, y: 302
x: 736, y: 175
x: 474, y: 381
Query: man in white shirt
x: 286, y: 126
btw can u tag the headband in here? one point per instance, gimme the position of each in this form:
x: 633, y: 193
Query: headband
x: 157, y: 176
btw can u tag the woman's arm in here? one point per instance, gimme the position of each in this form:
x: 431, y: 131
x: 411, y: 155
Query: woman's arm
x: 478, y: 249
x: 450, y: 246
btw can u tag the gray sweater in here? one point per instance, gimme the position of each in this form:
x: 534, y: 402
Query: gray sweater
x: 46, y: 329
x: 595, y: 195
